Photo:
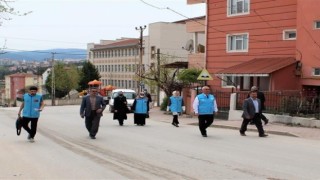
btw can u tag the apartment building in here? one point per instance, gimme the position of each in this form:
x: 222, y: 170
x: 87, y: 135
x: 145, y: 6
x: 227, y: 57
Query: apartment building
x: 16, y: 82
x: 263, y: 43
x: 118, y: 60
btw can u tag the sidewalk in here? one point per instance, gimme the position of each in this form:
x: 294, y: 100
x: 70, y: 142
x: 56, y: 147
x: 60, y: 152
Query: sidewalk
x: 270, y: 128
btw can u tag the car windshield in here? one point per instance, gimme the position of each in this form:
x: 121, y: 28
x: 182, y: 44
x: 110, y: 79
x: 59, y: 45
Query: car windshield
x: 128, y: 95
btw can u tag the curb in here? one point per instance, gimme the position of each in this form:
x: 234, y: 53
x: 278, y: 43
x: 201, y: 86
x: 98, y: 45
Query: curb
x: 281, y: 133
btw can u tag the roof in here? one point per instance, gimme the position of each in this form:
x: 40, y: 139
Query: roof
x: 122, y: 43
x: 22, y: 75
x: 190, y: 19
x: 258, y: 67
x: 177, y: 64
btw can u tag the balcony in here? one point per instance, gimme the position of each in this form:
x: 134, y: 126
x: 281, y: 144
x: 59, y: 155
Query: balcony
x: 198, y: 26
x: 195, y: 1
x: 196, y: 60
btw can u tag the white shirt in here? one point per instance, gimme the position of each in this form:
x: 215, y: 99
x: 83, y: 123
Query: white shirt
x: 196, y: 104
x: 256, y: 105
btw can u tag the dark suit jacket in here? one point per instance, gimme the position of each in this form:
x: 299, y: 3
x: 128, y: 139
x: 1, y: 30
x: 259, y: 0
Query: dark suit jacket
x: 248, y: 108
x: 86, y: 105
x: 260, y: 95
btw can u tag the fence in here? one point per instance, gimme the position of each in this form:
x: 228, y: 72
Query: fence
x: 223, y: 103
x: 293, y: 103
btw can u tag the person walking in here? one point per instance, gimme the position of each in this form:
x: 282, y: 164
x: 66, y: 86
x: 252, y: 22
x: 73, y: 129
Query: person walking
x: 148, y: 95
x: 260, y: 95
x: 31, y: 107
x: 120, y: 108
x: 91, y: 108
x: 140, y: 107
x: 205, y: 107
x: 175, y: 105
x: 252, y: 112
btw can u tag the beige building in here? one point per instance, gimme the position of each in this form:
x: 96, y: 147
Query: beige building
x: 118, y: 60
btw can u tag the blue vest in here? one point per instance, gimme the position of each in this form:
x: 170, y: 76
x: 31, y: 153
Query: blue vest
x: 31, y: 103
x: 141, y: 106
x: 205, y: 104
x: 176, y: 104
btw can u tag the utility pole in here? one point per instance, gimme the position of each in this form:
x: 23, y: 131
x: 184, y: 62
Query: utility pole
x: 141, y: 29
x: 159, y: 74
x: 53, y: 83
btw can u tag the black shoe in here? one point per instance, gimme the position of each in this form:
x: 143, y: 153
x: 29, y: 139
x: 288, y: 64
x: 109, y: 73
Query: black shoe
x: 243, y: 134
x: 204, y: 135
x: 266, y: 121
x: 92, y: 137
x: 263, y: 135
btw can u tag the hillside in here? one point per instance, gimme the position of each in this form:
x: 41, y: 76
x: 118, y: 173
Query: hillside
x: 40, y: 55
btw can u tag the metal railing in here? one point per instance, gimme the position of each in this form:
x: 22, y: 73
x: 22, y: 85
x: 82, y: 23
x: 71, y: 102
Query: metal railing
x: 293, y: 103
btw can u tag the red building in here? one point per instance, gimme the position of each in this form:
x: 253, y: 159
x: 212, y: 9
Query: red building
x: 271, y: 44
x: 16, y: 82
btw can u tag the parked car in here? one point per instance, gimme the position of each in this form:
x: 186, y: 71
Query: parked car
x: 128, y: 93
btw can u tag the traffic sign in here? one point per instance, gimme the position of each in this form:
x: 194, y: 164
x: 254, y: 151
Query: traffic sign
x: 204, y: 76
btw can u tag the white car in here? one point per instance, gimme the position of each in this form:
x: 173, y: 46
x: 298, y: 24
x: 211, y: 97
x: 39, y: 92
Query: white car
x: 128, y: 93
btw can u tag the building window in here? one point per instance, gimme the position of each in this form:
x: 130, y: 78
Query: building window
x: 237, y: 43
x: 230, y: 81
x: 317, y: 24
x: 290, y: 34
x: 238, y: 7
x: 153, y: 52
x: 316, y: 71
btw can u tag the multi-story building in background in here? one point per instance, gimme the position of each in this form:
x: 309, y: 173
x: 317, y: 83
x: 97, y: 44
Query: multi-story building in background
x: 14, y: 83
x: 118, y: 60
x: 263, y: 43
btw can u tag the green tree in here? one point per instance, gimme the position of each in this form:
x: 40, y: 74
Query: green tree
x: 189, y: 76
x: 88, y: 73
x: 66, y: 78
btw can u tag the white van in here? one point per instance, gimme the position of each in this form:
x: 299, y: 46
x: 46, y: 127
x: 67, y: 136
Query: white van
x: 128, y: 93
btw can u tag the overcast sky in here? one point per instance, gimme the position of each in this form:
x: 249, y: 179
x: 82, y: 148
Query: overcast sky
x: 74, y: 23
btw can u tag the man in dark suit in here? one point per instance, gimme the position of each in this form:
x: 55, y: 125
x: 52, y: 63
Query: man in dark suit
x: 252, y: 112
x: 260, y: 95
x: 91, y: 108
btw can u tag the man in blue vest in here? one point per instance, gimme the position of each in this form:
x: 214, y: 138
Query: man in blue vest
x: 175, y: 105
x: 32, y: 105
x: 205, y: 107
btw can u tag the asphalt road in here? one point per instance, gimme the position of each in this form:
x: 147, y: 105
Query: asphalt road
x: 63, y: 150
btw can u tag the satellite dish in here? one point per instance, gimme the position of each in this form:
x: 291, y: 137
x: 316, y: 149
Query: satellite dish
x: 189, y: 45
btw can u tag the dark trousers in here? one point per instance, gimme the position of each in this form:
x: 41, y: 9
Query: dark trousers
x: 263, y: 117
x: 120, y: 121
x: 34, y: 123
x: 175, y: 119
x: 92, y: 123
x: 257, y: 121
x: 204, y: 122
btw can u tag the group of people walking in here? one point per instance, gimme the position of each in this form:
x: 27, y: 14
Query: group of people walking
x: 92, y: 107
